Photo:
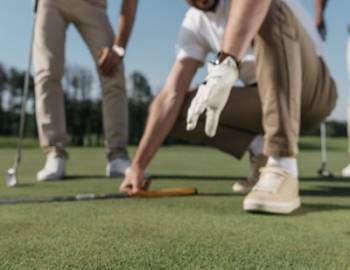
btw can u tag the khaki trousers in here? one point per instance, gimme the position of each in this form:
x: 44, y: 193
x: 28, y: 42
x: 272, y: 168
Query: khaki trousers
x: 90, y: 19
x: 295, y: 91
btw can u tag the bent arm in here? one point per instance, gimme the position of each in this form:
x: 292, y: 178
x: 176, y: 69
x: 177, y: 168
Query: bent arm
x: 165, y: 110
x: 245, y: 20
x: 126, y: 22
x: 320, y: 7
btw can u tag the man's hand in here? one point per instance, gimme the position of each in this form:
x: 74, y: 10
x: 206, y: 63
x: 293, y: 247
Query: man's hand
x: 108, y: 61
x: 212, y: 95
x: 134, y: 181
x: 321, y: 27
x: 320, y: 22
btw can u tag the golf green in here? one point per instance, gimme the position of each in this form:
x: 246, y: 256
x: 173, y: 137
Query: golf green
x: 207, y: 231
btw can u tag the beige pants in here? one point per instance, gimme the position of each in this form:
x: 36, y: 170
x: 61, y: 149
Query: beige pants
x: 90, y: 19
x: 295, y: 91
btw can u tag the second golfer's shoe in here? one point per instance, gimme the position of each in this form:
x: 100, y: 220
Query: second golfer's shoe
x: 54, y: 169
x: 256, y: 163
x: 117, y: 167
x: 346, y: 171
x: 276, y: 192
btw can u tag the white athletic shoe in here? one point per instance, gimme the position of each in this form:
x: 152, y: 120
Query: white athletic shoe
x: 117, y: 167
x: 54, y: 169
x: 277, y: 191
x: 256, y: 163
x: 346, y: 171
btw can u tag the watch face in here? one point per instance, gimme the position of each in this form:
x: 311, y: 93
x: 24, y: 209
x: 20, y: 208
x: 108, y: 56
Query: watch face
x: 119, y: 50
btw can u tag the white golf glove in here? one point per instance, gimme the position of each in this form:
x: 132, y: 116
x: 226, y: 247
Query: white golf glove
x: 212, y: 95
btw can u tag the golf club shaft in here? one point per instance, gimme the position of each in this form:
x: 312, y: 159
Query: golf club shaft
x: 26, y: 90
x: 323, y: 143
x: 158, y: 193
x: 64, y: 198
x: 165, y: 193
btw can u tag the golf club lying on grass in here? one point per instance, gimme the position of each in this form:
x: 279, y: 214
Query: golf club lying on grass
x: 11, y: 174
x: 322, y: 171
x: 155, y: 193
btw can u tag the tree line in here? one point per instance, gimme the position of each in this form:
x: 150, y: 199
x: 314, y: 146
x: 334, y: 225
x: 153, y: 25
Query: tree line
x: 84, y: 107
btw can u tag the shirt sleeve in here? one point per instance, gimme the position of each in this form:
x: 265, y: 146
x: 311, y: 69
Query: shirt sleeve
x: 190, y: 44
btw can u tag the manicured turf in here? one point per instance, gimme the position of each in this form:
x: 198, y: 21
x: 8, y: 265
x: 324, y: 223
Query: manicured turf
x: 208, y: 231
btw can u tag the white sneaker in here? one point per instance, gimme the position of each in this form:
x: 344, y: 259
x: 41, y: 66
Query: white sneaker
x: 346, y: 171
x: 54, y: 169
x: 117, y: 167
x: 256, y: 163
x: 277, y: 191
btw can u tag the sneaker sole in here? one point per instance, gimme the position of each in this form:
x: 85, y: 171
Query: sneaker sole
x: 345, y: 174
x: 51, y: 178
x: 271, y: 207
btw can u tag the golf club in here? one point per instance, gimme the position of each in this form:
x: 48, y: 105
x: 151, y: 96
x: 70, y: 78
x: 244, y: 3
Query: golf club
x: 155, y: 193
x: 11, y: 174
x: 322, y: 171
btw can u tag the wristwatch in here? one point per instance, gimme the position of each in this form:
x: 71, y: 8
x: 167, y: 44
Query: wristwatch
x: 223, y: 55
x: 118, y: 50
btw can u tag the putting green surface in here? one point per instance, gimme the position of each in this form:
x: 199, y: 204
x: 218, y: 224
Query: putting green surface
x: 207, y: 231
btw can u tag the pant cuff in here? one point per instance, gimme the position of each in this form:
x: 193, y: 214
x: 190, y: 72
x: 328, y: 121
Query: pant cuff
x: 56, y: 151
x: 118, y: 152
x: 273, y: 149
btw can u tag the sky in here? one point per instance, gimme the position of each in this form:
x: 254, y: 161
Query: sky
x: 151, y: 48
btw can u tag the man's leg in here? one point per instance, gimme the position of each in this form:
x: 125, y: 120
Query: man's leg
x: 240, y: 123
x: 239, y: 130
x: 290, y: 77
x: 94, y: 26
x: 49, y: 61
x: 293, y: 81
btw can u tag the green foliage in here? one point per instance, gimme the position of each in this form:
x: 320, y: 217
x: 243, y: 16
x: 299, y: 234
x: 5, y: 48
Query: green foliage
x: 333, y: 129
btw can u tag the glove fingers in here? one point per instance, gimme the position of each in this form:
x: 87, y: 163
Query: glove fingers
x: 212, y: 122
x: 192, y: 118
x: 196, y: 109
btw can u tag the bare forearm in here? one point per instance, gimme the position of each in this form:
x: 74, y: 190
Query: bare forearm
x: 126, y: 22
x: 163, y: 114
x: 165, y: 110
x: 320, y: 6
x: 245, y: 19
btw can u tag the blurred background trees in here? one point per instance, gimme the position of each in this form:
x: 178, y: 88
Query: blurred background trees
x: 84, y: 107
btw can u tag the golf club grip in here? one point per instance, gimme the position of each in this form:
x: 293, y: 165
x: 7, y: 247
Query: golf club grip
x: 167, y: 192
x: 36, y: 3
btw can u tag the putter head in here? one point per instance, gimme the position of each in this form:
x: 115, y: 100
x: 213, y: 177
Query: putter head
x: 11, y: 177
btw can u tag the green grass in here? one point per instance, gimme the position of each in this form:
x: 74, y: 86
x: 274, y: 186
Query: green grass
x: 209, y: 231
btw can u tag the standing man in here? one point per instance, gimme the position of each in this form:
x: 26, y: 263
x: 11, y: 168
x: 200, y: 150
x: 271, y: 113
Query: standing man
x: 90, y: 19
x: 294, y: 90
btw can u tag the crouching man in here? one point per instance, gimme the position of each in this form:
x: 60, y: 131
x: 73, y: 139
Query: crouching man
x: 294, y: 91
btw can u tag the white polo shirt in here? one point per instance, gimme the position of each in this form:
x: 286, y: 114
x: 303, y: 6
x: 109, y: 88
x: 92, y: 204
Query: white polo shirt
x: 202, y: 32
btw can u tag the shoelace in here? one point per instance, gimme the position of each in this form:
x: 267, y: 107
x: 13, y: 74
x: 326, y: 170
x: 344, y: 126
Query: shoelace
x: 270, y: 180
